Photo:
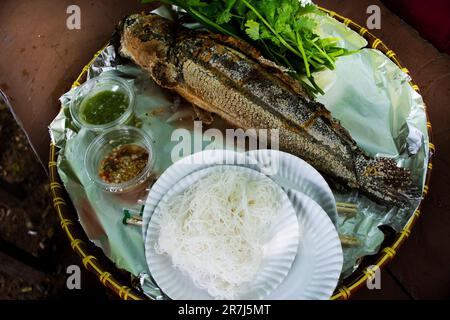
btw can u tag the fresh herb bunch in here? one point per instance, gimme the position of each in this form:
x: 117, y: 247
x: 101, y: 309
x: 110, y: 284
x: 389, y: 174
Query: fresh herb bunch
x: 284, y: 30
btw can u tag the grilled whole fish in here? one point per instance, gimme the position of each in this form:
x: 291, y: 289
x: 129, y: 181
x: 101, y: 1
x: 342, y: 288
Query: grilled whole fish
x: 228, y: 77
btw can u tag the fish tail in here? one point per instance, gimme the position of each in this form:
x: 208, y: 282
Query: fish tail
x: 382, y: 180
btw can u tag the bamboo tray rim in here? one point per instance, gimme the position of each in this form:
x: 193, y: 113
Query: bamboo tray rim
x: 93, y: 262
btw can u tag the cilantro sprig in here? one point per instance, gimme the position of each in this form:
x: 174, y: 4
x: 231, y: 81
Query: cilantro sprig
x: 284, y: 30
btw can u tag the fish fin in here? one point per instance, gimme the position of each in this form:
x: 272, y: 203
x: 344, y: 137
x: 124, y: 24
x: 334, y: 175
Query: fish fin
x: 251, y: 52
x: 164, y: 74
x: 292, y: 83
x: 203, y: 115
x: 236, y: 44
x: 336, y: 126
x: 381, y: 178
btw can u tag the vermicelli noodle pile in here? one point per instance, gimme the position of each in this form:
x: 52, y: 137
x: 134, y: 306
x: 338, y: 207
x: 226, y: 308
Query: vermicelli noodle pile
x: 215, y: 230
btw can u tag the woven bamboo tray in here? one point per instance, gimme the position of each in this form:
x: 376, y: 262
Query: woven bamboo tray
x: 112, y: 278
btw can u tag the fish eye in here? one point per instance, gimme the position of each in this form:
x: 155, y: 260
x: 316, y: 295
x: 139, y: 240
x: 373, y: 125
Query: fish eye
x: 129, y: 21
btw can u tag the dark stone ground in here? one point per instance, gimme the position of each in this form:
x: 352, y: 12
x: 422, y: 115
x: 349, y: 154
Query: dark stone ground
x: 32, y: 265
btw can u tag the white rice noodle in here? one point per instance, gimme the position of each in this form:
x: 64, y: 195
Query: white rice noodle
x: 215, y: 231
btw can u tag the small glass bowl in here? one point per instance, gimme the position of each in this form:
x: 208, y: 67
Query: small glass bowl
x: 94, y: 86
x: 103, y: 145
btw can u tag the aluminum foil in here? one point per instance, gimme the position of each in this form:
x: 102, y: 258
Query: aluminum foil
x: 367, y: 92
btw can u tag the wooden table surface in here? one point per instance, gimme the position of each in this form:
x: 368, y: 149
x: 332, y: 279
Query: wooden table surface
x: 40, y: 58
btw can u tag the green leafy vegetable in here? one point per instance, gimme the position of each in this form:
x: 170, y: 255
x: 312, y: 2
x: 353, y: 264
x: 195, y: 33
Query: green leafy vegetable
x: 252, y: 29
x: 284, y: 30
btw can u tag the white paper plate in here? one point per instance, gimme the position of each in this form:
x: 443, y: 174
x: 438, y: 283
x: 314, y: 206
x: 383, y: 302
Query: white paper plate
x: 279, y: 251
x: 293, y: 174
x: 315, y: 272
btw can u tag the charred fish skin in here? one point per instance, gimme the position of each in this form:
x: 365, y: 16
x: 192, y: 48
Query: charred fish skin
x: 238, y: 89
x: 221, y: 79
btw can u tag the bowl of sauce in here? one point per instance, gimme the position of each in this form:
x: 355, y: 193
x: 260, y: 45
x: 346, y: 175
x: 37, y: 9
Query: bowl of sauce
x: 102, y: 103
x: 120, y: 160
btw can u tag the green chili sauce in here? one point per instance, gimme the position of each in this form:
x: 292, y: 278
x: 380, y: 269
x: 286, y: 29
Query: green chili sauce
x: 103, y: 107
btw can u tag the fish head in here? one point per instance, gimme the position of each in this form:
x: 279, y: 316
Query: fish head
x: 146, y: 31
x: 147, y: 40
